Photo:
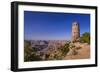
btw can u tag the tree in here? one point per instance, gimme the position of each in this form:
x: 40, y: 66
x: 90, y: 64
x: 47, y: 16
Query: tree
x: 27, y: 50
x: 34, y: 57
x: 85, y: 38
x: 65, y: 49
x: 30, y: 53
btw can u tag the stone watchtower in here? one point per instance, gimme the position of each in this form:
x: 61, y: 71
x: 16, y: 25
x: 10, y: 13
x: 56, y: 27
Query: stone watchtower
x: 75, y: 31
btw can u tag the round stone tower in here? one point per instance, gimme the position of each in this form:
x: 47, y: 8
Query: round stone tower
x: 75, y: 31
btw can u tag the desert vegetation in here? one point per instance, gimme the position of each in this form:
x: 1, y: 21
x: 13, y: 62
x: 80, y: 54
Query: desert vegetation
x: 85, y: 38
x: 52, y: 50
x: 30, y: 53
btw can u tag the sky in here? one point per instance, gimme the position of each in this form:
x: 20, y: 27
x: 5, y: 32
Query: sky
x: 52, y: 25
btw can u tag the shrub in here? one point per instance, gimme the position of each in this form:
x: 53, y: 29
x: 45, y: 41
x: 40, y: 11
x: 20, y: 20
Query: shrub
x: 65, y: 49
x: 85, y: 38
x: 78, y: 48
x: 34, y: 57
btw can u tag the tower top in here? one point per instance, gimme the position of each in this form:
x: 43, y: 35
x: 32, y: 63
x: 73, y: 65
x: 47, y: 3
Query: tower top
x: 75, y: 23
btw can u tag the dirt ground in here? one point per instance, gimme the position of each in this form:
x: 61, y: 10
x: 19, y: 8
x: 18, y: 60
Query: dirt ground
x: 83, y: 53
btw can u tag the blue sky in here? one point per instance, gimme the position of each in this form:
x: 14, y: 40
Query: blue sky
x: 53, y: 26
